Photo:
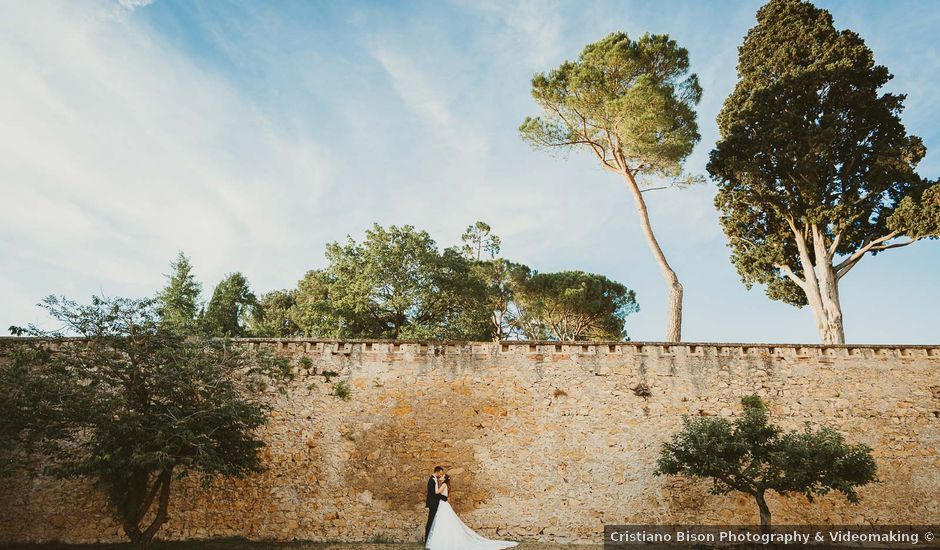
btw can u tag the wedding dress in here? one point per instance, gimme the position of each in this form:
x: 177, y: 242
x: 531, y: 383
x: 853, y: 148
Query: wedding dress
x: 448, y: 532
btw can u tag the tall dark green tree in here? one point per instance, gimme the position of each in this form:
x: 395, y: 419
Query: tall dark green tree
x: 178, y: 302
x: 814, y: 168
x: 133, y: 405
x: 227, y: 311
x: 573, y: 306
x: 752, y: 456
x: 396, y: 284
x: 631, y: 103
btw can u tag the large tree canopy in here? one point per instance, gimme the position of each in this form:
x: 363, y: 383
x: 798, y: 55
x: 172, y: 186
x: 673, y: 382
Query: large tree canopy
x: 814, y: 167
x: 396, y: 284
x: 572, y: 306
x: 632, y: 104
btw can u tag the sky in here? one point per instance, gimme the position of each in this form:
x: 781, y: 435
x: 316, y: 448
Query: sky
x: 250, y: 134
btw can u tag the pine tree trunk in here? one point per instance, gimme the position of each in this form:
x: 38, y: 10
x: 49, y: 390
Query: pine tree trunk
x: 674, y: 318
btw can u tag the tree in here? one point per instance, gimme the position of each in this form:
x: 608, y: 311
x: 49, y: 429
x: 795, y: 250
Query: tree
x: 477, y: 239
x: 814, y: 168
x: 316, y: 315
x: 572, y: 306
x: 752, y: 456
x: 179, y: 300
x: 632, y: 104
x: 503, y: 279
x: 272, y: 316
x: 227, y: 311
x: 133, y: 405
x: 396, y: 284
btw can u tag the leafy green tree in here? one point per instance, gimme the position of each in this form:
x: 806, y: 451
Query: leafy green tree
x: 132, y: 405
x: 479, y: 239
x: 273, y: 317
x: 228, y: 309
x: 178, y: 302
x: 316, y: 315
x: 752, y: 456
x: 572, y: 306
x: 632, y: 104
x: 396, y: 284
x: 814, y: 167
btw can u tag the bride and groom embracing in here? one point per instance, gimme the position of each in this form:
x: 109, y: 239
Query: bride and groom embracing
x: 444, y: 530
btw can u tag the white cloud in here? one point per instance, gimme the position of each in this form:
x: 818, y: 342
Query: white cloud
x: 117, y: 151
x: 427, y: 99
x: 533, y: 27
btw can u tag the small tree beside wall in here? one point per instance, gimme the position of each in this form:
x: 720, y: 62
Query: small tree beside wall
x: 752, y: 456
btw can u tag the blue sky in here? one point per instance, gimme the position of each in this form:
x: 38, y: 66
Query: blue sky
x: 251, y: 134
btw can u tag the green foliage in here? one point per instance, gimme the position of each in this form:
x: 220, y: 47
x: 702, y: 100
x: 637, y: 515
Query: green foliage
x: 810, y: 149
x: 503, y: 280
x: 752, y: 456
x: 396, y: 284
x: 227, y: 313
x: 631, y: 102
x: 23, y: 400
x: 314, y: 312
x: 132, y: 403
x: 341, y: 390
x: 178, y: 302
x: 573, y: 305
x: 479, y: 239
x: 918, y: 214
x: 307, y: 365
x: 272, y: 316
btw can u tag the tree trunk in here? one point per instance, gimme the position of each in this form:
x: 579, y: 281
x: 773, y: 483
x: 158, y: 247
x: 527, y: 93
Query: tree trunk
x: 133, y: 517
x: 764, y: 512
x: 821, y: 284
x: 829, y: 313
x: 674, y: 318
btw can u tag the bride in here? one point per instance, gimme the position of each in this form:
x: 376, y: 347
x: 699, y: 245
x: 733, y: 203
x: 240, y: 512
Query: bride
x: 449, y: 533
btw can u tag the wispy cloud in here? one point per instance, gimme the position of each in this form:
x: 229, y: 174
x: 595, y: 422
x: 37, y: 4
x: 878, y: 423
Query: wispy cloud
x: 116, y: 152
x: 531, y: 27
x: 422, y: 95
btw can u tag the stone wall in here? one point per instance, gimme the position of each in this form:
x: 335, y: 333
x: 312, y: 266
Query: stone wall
x: 544, y: 441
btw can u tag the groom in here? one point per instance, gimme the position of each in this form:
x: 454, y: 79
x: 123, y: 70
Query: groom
x: 433, y: 499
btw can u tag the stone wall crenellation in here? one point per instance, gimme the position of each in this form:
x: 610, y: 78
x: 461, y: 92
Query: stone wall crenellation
x: 544, y: 440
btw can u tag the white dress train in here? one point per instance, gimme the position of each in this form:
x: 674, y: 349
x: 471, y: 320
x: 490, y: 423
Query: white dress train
x: 448, y: 532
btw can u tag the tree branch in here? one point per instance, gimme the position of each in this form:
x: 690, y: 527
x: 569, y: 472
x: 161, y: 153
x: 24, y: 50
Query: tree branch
x: 791, y: 275
x: 850, y: 262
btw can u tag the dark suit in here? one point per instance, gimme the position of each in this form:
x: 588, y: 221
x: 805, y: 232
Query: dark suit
x: 431, y: 502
